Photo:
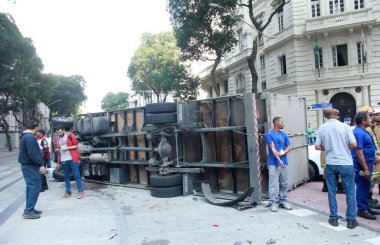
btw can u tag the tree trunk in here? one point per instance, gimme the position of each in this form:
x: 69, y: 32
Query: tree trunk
x: 251, y: 64
x: 213, y: 78
x: 7, y: 135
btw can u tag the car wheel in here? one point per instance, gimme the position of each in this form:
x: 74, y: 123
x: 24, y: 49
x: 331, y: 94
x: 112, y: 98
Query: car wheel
x: 156, y: 108
x: 165, y: 180
x: 312, y: 174
x: 166, y: 192
x: 161, y: 118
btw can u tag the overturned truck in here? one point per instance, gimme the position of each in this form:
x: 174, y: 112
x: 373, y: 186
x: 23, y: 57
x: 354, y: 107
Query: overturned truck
x: 173, y: 147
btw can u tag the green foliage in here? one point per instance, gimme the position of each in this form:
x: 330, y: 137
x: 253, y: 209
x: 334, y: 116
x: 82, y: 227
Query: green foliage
x: 68, y: 93
x: 157, y: 66
x: 112, y: 102
x: 203, y: 32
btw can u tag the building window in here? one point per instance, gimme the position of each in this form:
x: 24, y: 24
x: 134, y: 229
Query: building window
x: 319, y: 59
x: 262, y: 61
x: 240, y: 40
x: 264, y: 85
x: 361, y: 55
x: 336, y: 6
x: 315, y: 8
x: 210, y: 91
x: 225, y: 85
x: 241, y: 79
x: 359, y: 4
x: 280, y: 19
x: 340, y: 55
x: 282, y: 61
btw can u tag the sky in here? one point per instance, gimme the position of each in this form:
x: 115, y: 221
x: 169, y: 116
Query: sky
x: 92, y: 38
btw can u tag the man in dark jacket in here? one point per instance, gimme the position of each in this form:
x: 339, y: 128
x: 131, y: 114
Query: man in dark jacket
x: 44, y: 147
x: 30, y: 158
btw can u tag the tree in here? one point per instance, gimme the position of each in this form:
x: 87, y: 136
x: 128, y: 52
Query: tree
x: 69, y: 91
x: 202, y: 32
x: 157, y: 66
x: 20, y: 68
x: 111, y: 101
x: 260, y: 26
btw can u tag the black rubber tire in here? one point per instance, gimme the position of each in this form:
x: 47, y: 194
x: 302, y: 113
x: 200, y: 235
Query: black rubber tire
x: 312, y: 174
x: 161, y: 118
x: 166, y: 192
x: 100, y: 125
x: 58, y: 175
x: 156, y: 108
x: 165, y: 180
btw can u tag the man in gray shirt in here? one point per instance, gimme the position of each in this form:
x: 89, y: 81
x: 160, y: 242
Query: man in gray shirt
x: 337, y: 138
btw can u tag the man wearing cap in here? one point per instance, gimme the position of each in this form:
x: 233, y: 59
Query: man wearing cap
x: 44, y: 147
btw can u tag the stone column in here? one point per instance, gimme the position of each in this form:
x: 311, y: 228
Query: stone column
x: 319, y: 112
x: 365, y: 95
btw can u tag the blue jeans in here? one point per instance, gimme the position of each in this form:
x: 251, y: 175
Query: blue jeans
x: 66, y: 165
x: 347, y: 175
x: 32, y: 179
x: 363, y: 186
x: 311, y: 140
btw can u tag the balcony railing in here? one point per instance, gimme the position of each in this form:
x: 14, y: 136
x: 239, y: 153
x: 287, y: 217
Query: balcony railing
x: 339, y: 20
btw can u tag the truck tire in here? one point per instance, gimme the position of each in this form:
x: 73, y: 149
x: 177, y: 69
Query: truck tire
x: 87, y: 126
x: 100, y: 125
x: 161, y: 118
x: 166, y: 192
x: 156, y: 108
x: 165, y: 180
x: 312, y: 173
x: 58, y: 174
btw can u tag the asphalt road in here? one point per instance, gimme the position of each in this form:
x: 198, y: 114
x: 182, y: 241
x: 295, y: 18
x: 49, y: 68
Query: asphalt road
x: 120, y: 215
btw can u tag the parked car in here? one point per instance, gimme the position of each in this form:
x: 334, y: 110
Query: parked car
x: 315, y: 169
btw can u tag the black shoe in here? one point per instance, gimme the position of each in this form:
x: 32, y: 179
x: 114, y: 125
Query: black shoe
x: 374, y: 206
x: 351, y: 224
x: 324, y: 188
x: 372, y: 201
x: 373, y: 211
x: 37, y: 211
x: 333, y: 222
x: 30, y: 215
x: 366, y: 215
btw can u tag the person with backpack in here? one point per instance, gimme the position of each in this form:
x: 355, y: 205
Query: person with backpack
x: 65, y: 146
x: 44, y: 147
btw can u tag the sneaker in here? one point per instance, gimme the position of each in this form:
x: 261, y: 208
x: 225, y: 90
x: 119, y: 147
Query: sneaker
x: 30, y: 215
x: 80, y: 195
x: 285, y: 205
x: 273, y: 207
x: 67, y: 194
x: 351, y: 224
x: 37, y: 211
x: 333, y: 222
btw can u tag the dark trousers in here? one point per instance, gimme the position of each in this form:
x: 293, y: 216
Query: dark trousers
x: 363, y: 186
x: 32, y: 179
x: 44, y: 184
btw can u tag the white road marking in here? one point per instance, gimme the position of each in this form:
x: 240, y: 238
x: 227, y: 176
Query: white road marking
x: 374, y: 241
x: 301, y: 212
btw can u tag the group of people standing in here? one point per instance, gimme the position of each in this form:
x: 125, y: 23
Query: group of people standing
x: 350, y: 155
x: 34, y: 156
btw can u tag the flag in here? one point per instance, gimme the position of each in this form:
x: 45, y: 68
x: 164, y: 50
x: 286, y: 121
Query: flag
x: 316, y: 52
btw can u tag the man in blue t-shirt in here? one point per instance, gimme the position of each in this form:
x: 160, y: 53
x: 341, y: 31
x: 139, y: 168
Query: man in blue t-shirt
x: 278, y: 148
x: 364, y: 158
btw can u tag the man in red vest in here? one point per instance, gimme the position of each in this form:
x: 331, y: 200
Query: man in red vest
x: 65, y: 146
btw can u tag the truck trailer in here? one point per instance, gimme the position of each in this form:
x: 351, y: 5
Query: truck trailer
x: 172, y: 148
